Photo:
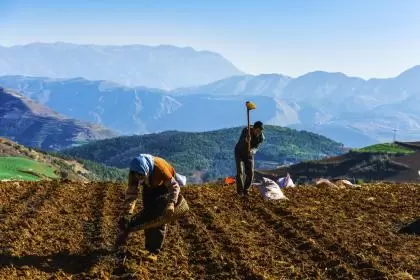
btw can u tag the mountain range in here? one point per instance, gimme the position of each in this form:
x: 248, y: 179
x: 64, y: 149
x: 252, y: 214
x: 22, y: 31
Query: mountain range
x: 349, y: 110
x: 163, y: 66
x: 136, y: 110
x: 32, y: 124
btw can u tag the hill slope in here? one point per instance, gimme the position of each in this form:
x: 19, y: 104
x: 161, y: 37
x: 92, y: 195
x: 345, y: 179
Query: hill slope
x: 35, y: 125
x: 211, y: 153
x: 164, y: 67
x: 319, y: 233
x: 397, y: 162
x: 25, y: 163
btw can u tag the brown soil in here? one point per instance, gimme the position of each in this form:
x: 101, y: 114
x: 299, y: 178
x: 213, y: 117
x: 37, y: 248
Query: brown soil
x: 66, y: 230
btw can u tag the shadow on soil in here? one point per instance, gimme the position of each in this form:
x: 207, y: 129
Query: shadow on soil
x: 68, y: 263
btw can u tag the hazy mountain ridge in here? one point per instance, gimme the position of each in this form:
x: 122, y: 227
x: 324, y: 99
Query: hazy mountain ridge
x: 350, y: 110
x: 367, y: 111
x: 162, y: 66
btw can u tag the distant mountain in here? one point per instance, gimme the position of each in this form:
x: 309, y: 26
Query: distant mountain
x: 126, y: 110
x: 34, y: 125
x: 349, y: 110
x: 343, y: 133
x: 165, y: 67
x: 271, y: 85
x: 138, y: 110
x: 208, y: 155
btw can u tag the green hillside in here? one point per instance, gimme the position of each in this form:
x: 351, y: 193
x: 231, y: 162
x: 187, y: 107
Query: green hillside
x: 19, y: 168
x: 390, y: 148
x: 25, y: 163
x: 210, y: 153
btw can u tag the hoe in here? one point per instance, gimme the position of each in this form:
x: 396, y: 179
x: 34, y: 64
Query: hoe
x: 249, y: 106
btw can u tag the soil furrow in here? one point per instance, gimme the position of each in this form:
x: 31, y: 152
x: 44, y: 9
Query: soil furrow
x: 18, y: 226
x: 229, y: 250
x: 203, y: 254
x: 49, y: 240
x: 306, y: 247
x: 106, y: 210
x: 27, y: 202
x: 14, y: 193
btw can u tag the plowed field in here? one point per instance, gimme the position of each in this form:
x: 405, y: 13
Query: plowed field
x: 66, y: 230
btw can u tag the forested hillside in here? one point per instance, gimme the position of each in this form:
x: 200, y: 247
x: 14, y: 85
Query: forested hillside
x: 210, y: 154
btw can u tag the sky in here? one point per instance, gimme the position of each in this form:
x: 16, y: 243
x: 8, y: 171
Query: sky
x: 363, y: 38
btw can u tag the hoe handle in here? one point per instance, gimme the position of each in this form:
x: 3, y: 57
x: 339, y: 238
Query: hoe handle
x: 249, y: 133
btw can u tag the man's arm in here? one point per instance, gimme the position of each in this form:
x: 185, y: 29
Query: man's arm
x: 131, y: 194
x: 258, y: 144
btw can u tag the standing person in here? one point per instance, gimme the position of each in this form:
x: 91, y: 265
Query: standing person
x: 161, y: 192
x: 242, y: 155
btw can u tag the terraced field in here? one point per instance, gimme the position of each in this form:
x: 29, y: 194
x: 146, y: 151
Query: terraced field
x: 66, y: 230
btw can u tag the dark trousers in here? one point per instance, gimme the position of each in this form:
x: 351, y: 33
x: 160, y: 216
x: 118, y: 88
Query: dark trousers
x: 248, y: 162
x: 155, y: 201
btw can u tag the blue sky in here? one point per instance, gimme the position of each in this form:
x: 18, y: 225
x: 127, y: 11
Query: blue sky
x: 365, y: 38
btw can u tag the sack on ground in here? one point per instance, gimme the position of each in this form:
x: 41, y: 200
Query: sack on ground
x: 284, y: 182
x: 344, y: 183
x: 325, y: 183
x: 270, y: 190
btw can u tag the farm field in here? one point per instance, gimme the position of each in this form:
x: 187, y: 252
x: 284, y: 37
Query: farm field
x: 19, y: 168
x: 66, y: 230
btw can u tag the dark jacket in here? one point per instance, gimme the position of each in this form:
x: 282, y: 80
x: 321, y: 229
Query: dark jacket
x: 242, y: 145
